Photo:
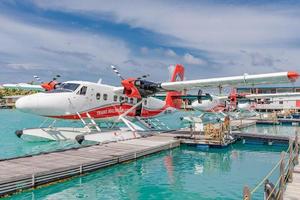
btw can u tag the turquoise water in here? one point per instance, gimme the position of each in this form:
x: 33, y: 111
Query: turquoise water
x: 12, y: 146
x: 284, y: 129
x: 12, y: 120
x: 182, y: 173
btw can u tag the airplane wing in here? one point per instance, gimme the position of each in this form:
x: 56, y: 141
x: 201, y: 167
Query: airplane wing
x: 275, y: 95
x: 270, y: 78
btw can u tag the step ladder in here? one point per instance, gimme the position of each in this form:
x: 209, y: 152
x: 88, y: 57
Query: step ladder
x: 92, y: 125
x: 153, y: 124
x: 145, y: 122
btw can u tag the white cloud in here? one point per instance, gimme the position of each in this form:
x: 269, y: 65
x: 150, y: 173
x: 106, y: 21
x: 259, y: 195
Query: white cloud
x: 170, y: 52
x: 219, y: 30
x: 190, y: 59
x: 26, y: 46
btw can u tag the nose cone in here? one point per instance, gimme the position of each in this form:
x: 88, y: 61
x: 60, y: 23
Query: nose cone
x: 26, y: 104
x: 44, y: 104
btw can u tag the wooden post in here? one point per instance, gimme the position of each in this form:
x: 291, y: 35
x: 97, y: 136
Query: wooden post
x: 296, y: 149
x: 290, y: 167
x: 246, y: 193
x: 281, y: 184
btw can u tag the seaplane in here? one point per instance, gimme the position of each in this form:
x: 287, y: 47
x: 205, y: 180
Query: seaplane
x: 232, y: 105
x: 96, y: 102
x: 37, y: 85
x: 236, y: 102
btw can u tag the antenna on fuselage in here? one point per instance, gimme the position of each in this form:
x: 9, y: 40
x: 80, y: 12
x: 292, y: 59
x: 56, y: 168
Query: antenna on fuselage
x: 117, y: 72
x: 99, y: 81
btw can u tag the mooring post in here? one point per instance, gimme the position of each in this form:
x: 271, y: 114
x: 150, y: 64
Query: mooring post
x: 296, y: 149
x: 191, y: 129
x: 32, y: 180
x: 290, y: 168
x: 246, y: 193
x: 281, y: 184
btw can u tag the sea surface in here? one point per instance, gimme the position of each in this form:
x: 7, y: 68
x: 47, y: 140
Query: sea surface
x: 12, y: 146
x: 182, y: 173
x: 12, y: 120
x: 186, y: 172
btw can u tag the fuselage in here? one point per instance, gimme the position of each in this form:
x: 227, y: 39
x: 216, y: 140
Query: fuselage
x: 74, y: 99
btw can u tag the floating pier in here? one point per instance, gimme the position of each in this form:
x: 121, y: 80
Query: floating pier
x: 292, y: 191
x: 279, y: 121
x: 27, y: 172
x: 242, y: 123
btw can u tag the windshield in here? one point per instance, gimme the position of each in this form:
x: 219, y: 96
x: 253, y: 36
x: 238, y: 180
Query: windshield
x: 65, y: 87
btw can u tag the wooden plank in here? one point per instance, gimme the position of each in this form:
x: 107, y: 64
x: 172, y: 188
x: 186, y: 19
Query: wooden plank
x: 17, y: 173
x: 292, y: 191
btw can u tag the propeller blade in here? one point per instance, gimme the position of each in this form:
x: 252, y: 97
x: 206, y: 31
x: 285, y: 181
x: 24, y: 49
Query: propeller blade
x: 143, y: 77
x: 37, y: 78
x: 117, y: 72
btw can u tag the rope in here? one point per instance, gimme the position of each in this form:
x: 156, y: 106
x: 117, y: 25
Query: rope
x: 274, y: 188
x: 266, y: 177
x: 271, y: 172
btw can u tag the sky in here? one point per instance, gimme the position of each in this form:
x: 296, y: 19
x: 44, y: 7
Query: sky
x: 81, y: 39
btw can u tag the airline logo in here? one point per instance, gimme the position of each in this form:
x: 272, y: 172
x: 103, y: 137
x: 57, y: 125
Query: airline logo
x: 178, y: 78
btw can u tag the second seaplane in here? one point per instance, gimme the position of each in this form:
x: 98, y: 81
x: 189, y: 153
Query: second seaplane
x: 132, y: 103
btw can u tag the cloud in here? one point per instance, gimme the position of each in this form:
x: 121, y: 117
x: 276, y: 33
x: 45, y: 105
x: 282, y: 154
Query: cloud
x: 218, y: 29
x: 190, y: 59
x: 27, y: 46
x: 170, y: 52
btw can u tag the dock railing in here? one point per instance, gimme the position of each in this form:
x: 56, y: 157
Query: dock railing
x: 271, y: 191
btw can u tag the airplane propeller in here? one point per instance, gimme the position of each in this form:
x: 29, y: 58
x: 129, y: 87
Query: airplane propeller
x: 137, y: 87
x: 117, y: 72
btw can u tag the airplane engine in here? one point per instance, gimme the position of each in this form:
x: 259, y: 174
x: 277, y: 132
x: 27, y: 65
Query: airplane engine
x: 206, y: 103
x: 244, y: 106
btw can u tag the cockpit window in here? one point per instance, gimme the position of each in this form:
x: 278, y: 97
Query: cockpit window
x: 65, y: 87
x: 83, y: 90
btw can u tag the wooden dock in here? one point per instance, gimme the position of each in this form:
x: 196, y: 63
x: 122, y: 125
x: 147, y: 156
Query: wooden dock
x: 27, y: 172
x: 242, y: 123
x: 292, y: 191
x: 30, y: 171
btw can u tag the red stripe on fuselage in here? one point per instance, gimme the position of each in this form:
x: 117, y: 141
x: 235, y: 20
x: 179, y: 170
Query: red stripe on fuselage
x: 112, y: 111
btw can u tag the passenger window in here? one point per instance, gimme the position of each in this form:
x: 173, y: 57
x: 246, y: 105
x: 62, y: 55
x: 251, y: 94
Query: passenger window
x: 83, y: 90
x: 104, y: 97
x: 115, y: 98
x: 121, y: 98
x: 145, y: 102
x: 98, y: 96
x: 131, y: 100
x: 126, y: 99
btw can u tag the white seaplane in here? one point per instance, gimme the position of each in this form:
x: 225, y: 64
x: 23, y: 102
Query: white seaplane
x: 233, y: 105
x: 37, y: 85
x: 237, y: 102
x: 93, y: 102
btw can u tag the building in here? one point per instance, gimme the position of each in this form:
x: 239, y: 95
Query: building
x: 274, y: 104
x: 9, y: 101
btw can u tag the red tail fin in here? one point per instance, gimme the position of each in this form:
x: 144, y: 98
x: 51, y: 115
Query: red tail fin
x: 173, y: 98
x: 233, y: 99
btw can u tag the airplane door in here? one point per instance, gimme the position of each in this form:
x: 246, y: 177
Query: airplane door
x: 138, y: 110
x: 84, y: 95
